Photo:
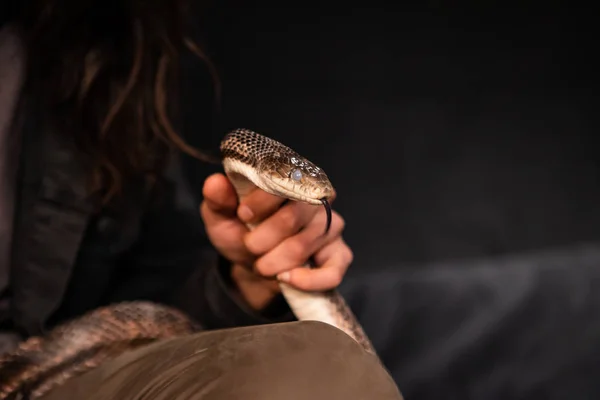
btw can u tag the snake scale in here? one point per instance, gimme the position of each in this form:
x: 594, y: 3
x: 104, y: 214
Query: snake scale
x: 250, y: 160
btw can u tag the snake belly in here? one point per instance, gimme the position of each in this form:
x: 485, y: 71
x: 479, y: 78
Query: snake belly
x: 252, y: 160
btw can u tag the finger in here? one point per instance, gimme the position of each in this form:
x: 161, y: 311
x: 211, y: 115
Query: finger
x: 336, y: 258
x: 258, y: 205
x: 326, y: 252
x: 284, y: 223
x: 227, y: 235
x: 296, y: 250
x: 225, y: 231
x: 219, y: 195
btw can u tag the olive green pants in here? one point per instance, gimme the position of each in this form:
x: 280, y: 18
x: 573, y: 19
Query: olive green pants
x: 288, y: 361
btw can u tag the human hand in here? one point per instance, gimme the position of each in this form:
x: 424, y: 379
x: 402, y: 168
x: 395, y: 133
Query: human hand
x: 284, y: 238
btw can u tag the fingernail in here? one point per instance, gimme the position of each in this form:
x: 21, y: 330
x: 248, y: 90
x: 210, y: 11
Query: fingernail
x: 245, y: 213
x: 284, y: 276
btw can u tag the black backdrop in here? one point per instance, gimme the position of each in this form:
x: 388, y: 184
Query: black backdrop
x: 449, y: 132
x: 452, y: 134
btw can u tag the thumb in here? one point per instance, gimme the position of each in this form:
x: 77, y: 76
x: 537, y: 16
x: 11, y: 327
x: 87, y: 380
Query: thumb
x: 219, y: 213
x: 219, y: 195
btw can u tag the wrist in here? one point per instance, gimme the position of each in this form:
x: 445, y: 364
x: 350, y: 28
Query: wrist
x: 258, y: 292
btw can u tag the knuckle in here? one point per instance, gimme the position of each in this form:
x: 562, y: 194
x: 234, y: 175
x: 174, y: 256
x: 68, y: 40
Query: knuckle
x: 204, y: 210
x: 337, y: 276
x: 308, y: 282
x: 348, y: 256
x: 253, y: 246
x: 338, y: 223
x: 261, y: 204
x: 296, y: 249
x: 341, y: 222
x: 289, y: 218
x: 263, y: 267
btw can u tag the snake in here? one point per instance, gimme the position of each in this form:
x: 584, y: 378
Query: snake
x: 250, y: 160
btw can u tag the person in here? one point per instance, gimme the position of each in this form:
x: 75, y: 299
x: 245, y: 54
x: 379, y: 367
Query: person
x: 92, y: 214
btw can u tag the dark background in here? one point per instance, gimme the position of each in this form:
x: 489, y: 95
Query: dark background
x: 450, y: 132
x: 453, y: 134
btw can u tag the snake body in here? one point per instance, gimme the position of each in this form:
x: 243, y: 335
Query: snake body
x: 43, y: 362
x: 250, y: 160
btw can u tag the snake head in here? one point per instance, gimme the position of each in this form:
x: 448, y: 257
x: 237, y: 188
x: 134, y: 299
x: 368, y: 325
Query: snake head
x: 275, y: 168
x: 295, y: 177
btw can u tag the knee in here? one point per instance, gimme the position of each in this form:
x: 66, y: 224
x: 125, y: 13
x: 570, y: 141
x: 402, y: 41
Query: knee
x: 292, y: 361
x: 311, y: 360
x: 320, y: 335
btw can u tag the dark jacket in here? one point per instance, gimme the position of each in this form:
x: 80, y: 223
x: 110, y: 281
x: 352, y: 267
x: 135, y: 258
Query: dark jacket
x: 69, y: 258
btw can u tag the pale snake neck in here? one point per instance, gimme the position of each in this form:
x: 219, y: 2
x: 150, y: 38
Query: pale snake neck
x: 252, y: 160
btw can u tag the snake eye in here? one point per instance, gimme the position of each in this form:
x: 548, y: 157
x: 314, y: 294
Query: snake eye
x: 296, y: 175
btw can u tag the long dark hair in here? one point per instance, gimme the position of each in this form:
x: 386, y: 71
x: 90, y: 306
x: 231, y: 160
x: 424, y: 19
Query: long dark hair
x: 105, y: 71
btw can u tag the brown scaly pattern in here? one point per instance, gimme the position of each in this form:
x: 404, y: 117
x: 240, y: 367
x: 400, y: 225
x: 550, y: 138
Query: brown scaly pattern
x: 246, y: 146
x: 267, y: 154
x: 41, y: 363
x: 349, y: 321
x: 270, y: 158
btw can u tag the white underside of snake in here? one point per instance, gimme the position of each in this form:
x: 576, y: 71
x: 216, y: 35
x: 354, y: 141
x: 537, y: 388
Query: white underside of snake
x: 252, y: 160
